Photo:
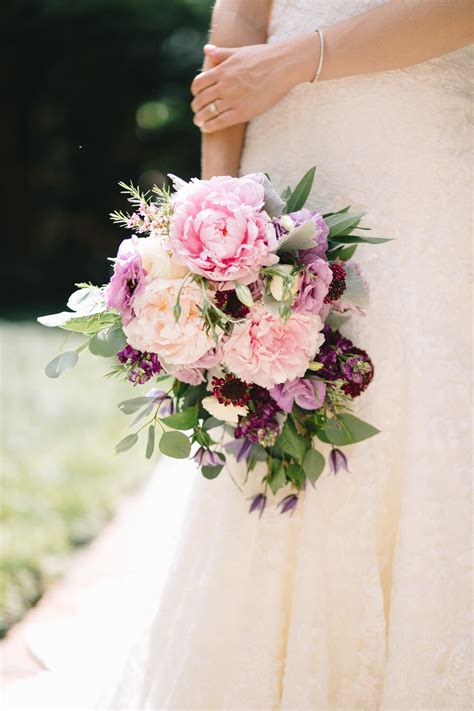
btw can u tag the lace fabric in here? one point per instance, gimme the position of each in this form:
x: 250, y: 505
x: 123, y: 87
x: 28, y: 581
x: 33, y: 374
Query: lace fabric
x: 361, y: 598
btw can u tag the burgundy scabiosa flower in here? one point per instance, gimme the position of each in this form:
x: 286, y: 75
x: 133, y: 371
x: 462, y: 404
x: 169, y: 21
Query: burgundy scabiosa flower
x: 230, y: 390
x: 228, y: 302
x: 142, y: 365
x: 338, y: 283
x: 358, y: 371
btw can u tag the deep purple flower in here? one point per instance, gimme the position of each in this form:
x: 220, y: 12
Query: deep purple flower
x: 260, y: 425
x: 258, y: 504
x: 127, y: 279
x: 308, y: 393
x: 358, y: 370
x: 337, y: 461
x: 288, y: 503
x: 342, y: 360
x: 240, y: 448
x: 142, y: 365
x: 207, y: 458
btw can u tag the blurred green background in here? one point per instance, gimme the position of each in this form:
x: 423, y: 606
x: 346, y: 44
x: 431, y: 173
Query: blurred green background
x: 96, y: 91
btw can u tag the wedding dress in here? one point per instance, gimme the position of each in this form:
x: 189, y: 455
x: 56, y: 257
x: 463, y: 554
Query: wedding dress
x: 361, y: 598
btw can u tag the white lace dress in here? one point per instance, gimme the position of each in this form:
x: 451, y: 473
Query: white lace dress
x: 361, y: 598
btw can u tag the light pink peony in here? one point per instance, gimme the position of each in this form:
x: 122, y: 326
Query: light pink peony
x: 195, y: 373
x: 218, y: 229
x: 155, y: 330
x: 266, y: 350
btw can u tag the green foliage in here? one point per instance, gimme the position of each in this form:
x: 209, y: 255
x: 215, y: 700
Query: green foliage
x: 175, y: 444
x: 60, y: 479
x: 300, y: 194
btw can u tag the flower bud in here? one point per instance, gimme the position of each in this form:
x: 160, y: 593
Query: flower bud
x: 277, y: 289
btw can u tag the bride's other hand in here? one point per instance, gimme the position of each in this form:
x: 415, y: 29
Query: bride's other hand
x: 247, y: 81
x: 244, y: 82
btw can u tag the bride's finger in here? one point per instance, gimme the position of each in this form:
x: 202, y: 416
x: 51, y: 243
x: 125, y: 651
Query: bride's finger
x: 210, y: 111
x: 224, y: 120
x: 204, y: 98
x: 204, y: 80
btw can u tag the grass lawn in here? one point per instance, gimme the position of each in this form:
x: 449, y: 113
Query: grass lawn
x: 61, y: 480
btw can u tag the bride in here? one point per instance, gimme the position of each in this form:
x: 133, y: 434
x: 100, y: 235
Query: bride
x: 359, y: 599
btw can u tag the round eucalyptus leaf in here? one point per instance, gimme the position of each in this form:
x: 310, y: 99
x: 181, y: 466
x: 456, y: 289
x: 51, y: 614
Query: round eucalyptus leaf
x: 175, y: 444
x: 61, y: 363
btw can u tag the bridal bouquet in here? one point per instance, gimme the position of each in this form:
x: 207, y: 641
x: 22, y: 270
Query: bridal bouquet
x: 230, y: 298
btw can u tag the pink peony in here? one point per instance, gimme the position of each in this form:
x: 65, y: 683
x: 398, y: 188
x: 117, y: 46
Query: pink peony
x: 266, y: 350
x: 195, y: 373
x: 155, y: 330
x: 218, y: 229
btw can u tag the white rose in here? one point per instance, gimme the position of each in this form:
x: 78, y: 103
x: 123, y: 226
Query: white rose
x: 157, y: 262
x: 277, y: 282
x: 226, y: 413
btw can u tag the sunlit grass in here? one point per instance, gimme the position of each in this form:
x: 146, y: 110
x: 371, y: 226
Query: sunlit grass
x: 61, y: 480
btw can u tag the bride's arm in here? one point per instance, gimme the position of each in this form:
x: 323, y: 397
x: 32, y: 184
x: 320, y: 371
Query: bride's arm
x: 236, y: 23
x: 396, y: 34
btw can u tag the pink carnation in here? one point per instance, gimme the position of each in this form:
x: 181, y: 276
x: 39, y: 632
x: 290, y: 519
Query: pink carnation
x: 266, y: 350
x: 218, y: 228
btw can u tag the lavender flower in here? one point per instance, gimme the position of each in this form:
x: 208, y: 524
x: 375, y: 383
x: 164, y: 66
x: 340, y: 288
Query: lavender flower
x: 207, y: 458
x: 308, y: 393
x: 240, y: 448
x: 258, y: 504
x: 288, y: 503
x: 322, y: 232
x: 337, y: 461
x: 127, y: 279
x: 314, y: 286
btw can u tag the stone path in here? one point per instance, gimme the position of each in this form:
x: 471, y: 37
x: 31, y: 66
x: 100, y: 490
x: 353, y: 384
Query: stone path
x: 87, y: 621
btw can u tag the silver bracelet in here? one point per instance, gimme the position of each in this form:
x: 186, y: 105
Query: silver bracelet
x: 321, y: 55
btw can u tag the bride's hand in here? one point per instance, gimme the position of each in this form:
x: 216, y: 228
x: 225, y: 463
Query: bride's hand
x: 247, y: 81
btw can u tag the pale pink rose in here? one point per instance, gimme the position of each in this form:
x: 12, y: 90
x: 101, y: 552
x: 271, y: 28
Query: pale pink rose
x: 266, y: 350
x: 218, y: 229
x: 155, y: 330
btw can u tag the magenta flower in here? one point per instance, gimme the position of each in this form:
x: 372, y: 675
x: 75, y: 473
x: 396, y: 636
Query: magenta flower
x: 308, y: 393
x: 127, y: 279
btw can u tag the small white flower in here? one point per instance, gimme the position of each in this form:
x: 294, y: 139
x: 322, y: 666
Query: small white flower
x: 226, y: 413
x: 277, y: 282
x: 287, y: 222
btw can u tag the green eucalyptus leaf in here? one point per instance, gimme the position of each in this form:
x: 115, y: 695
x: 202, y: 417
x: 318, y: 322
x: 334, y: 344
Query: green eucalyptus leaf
x: 128, y: 407
x: 210, y: 423
x: 300, y: 194
x: 108, y: 343
x: 313, y: 464
x: 61, y: 363
x: 150, y: 445
x: 211, y: 472
x: 342, y: 253
x: 184, y: 420
x: 92, y: 324
x: 126, y: 443
x: 175, y: 444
